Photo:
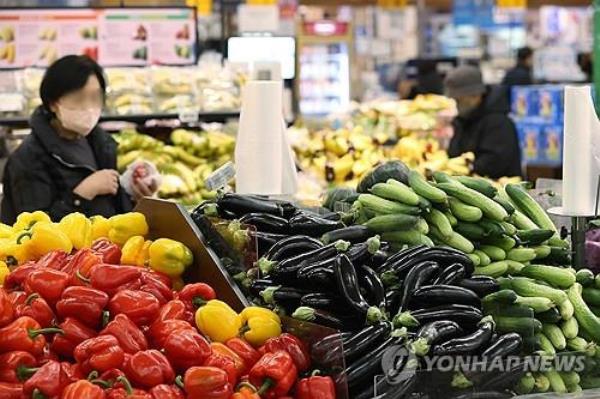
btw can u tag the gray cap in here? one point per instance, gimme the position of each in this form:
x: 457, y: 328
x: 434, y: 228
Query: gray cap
x: 466, y: 80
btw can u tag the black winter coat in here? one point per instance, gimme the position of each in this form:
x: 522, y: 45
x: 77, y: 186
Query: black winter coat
x: 41, y: 175
x: 491, y: 135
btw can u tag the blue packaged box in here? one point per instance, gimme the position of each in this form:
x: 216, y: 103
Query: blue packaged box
x: 524, y: 101
x: 530, y: 139
x: 552, y: 144
x: 550, y: 103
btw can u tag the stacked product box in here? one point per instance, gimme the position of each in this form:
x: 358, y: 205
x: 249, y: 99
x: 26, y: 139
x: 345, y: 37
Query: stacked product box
x: 538, y: 115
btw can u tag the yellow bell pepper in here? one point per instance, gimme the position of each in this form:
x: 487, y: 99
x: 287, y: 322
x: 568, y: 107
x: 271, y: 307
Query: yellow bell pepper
x: 259, y: 324
x: 26, y: 220
x: 100, y: 227
x: 122, y: 227
x: 13, y: 253
x: 4, y: 271
x: 78, y: 228
x: 135, y: 251
x: 6, y: 231
x: 218, y: 321
x: 170, y: 257
x: 44, y: 237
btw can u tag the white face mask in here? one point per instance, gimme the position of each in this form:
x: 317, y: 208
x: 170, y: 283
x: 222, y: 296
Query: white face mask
x: 79, y: 120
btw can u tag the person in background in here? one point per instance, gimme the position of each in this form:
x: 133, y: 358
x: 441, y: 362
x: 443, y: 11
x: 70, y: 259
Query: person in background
x: 521, y: 74
x: 67, y: 164
x: 482, y: 125
x: 427, y: 81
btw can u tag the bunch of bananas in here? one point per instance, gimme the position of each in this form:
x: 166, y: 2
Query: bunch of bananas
x: 184, y: 166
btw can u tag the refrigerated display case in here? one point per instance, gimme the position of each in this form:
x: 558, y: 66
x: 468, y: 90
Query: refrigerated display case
x: 324, y: 58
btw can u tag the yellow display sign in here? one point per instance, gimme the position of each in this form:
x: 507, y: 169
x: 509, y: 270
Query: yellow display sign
x: 261, y: 2
x: 392, y: 3
x: 203, y: 7
x: 511, y: 3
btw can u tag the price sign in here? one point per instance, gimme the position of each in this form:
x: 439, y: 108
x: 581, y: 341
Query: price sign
x: 511, y: 3
x: 261, y: 2
x: 203, y: 7
x: 392, y: 3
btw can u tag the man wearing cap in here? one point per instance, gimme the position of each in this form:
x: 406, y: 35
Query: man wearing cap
x: 482, y: 125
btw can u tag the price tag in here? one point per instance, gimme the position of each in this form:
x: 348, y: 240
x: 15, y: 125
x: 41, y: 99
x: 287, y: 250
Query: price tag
x: 511, y: 3
x: 261, y: 2
x: 392, y: 3
x: 220, y: 177
x: 189, y: 117
x: 203, y: 7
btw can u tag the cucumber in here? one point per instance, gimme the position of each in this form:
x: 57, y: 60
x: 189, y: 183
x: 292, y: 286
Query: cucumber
x: 455, y: 240
x: 546, y: 345
x: 559, y: 256
x: 424, y: 189
x: 542, y: 383
x: 411, y: 237
x: 490, y: 208
x: 529, y: 206
x: 597, y: 281
x: 491, y: 227
x: 526, y: 287
x: 509, y: 229
x: 508, y: 207
x: 495, y: 269
x: 521, y: 254
x: 396, y: 191
x: 556, y: 383
x: 475, y: 259
x: 566, y: 309
x: 391, y: 222
x: 574, y: 388
x: 541, y: 251
x: 556, y: 241
x: 578, y: 344
x: 521, y: 325
x: 549, y: 316
x: 570, y: 377
x: 534, y: 237
x: 556, y: 276
x: 587, y: 320
x: 504, y: 242
x: 525, y: 384
x: 514, y: 267
x: 502, y: 296
x: 478, y: 184
x: 483, y: 257
x: 585, y: 277
x: 590, y: 382
x: 441, y: 177
x: 537, y: 303
x: 453, y: 221
x: 424, y: 203
x: 591, y: 296
x: 440, y: 221
x: 504, y: 310
x: 384, y: 206
x: 522, y: 222
x: 472, y: 231
x: 464, y: 212
x: 555, y: 335
x: 495, y: 253
x: 422, y: 226
x: 570, y: 328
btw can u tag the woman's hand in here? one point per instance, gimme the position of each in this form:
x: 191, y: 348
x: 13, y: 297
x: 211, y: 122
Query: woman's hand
x: 102, y: 182
x: 141, y: 189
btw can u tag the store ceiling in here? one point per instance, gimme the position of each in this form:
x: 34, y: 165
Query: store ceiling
x: 443, y: 4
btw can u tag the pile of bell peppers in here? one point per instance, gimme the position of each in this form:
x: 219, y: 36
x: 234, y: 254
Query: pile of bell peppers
x: 77, y: 321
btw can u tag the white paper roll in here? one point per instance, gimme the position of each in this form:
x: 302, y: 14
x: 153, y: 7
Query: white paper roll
x: 581, y: 152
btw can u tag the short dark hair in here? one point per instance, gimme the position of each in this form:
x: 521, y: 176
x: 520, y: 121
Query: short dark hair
x: 523, y: 53
x: 68, y: 74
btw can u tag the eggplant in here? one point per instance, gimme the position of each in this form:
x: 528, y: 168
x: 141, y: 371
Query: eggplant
x: 451, y: 274
x: 353, y: 234
x: 321, y: 277
x: 259, y: 285
x: 319, y: 300
x: 240, y: 205
x: 357, y: 344
x: 402, y: 256
x: 416, y: 277
x: 398, y: 381
x: 292, y: 246
x: 468, y: 344
x: 329, y: 349
x: 370, y: 282
x: 266, y: 222
x: 347, y: 283
x: 484, y: 395
x: 435, y: 295
x: 265, y: 241
x: 392, y: 300
x: 434, y: 332
x: 481, y: 285
x: 378, y: 258
x: 312, y: 225
x: 318, y: 316
x: 462, y: 314
x: 504, y: 380
x: 282, y: 295
x: 442, y: 255
x: 361, y: 252
x: 506, y: 345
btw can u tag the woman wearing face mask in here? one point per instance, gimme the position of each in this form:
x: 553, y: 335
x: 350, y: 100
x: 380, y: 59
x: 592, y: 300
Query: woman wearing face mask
x: 67, y: 164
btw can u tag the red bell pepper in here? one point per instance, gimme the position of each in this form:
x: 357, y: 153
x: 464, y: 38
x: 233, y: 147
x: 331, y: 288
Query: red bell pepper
x: 74, y: 333
x: 224, y: 363
x: 315, y: 387
x: 83, y: 389
x: 292, y: 345
x: 114, y: 278
x: 122, y: 393
x: 245, y: 351
x: 100, y: 353
x: 48, y: 283
x: 80, y: 265
x: 175, y: 309
x: 73, y: 371
x: 195, y: 295
x: 7, y: 311
x: 52, y: 260
x: 207, y: 383
x: 11, y: 391
x: 166, y: 280
x: 164, y: 391
x: 221, y: 349
x: 83, y: 303
x: 245, y: 390
x: 110, y: 253
x: 38, y: 309
x: 154, y: 284
x: 16, y: 366
x: 275, y: 374
x: 113, y: 378
x: 17, y: 297
x: 16, y: 279
x: 186, y: 348
x: 160, y: 330
x: 50, y: 380
x: 47, y: 356
x: 149, y: 368
x: 141, y: 307
x: 130, y: 337
x: 24, y: 334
